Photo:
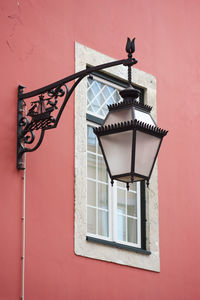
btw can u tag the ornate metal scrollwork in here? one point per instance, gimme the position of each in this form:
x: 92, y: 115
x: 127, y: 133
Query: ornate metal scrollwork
x: 41, y: 113
x: 41, y: 110
x: 27, y: 136
x: 38, y: 117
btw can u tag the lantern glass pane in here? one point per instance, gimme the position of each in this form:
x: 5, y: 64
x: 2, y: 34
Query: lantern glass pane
x: 118, y: 116
x: 146, y: 150
x: 144, y: 117
x: 118, y: 151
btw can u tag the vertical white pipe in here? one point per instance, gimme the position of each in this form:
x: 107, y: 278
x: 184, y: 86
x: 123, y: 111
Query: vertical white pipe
x: 23, y: 226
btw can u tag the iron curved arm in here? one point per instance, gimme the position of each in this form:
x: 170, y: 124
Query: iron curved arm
x: 126, y: 62
x: 41, y: 116
x: 66, y: 100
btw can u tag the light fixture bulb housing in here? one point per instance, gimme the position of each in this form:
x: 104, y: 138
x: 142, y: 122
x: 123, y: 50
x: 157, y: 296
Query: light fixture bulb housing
x: 129, y: 139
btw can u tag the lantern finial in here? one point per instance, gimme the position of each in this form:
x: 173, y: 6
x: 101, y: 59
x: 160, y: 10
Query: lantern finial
x: 130, y: 48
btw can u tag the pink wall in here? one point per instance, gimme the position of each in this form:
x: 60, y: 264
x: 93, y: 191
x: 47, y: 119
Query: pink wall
x: 37, y: 48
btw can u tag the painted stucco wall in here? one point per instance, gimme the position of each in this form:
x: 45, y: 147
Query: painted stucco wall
x: 36, y: 48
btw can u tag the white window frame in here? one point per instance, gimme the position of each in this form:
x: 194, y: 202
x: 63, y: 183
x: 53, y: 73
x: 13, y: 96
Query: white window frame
x: 85, y: 56
x: 112, y: 191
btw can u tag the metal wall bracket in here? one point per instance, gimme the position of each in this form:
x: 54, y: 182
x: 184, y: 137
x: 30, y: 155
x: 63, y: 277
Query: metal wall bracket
x: 20, y: 112
x: 44, y: 110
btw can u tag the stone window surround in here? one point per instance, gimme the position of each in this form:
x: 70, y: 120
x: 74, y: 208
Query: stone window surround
x: 85, y: 56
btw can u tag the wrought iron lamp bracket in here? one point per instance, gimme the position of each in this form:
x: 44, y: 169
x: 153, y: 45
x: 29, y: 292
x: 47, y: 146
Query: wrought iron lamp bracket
x: 41, y: 112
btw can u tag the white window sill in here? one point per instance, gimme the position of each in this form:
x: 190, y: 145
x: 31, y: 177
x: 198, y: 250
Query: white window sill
x: 117, y: 245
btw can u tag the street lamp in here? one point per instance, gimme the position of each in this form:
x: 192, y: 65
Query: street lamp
x: 129, y: 138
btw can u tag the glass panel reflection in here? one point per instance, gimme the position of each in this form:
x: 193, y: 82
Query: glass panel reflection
x: 91, y: 220
x: 131, y: 204
x: 121, y: 201
x: 103, y: 223
x: 103, y: 195
x: 90, y: 95
x: 133, y: 186
x: 101, y: 99
x: 121, y: 184
x: 91, y: 192
x: 91, y: 166
x: 131, y: 230
x: 121, y: 230
x: 91, y: 139
x: 102, y: 173
x: 99, y: 150
x: 117, y: 96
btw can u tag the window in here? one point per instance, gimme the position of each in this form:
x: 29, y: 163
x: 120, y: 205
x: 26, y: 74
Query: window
x: 94, y: 217
x: 113, y: 213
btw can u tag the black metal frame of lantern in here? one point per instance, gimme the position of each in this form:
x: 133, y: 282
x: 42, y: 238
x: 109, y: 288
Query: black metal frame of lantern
x: 41, y: 116
x: 129, y: 138
x: 135, y: 130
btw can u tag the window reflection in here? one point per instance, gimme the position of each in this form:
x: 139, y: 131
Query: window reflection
x: 91, y: 139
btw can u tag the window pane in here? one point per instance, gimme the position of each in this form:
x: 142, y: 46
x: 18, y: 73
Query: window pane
x: 133, y: 186
x: 121, y: 201
x: 99, y: 96
x: 117, y: 96
x: 103, y: 223
x: 100, y: 99
x: 103, y: 196
x: 90, y: 96
x: 121, y: 184
x: 102, y: 173
x: 91, y: 220
x: 95, y: 105
x: 121, y: 228
x: 91, y: 139
x: 104, y: 111
x: 105, y: 91
x: 132, y: 204
x: 99, y: 150
x: 91, y: 168
x: 132, y: 230
x: 91, y: 193
x: 96, y: 87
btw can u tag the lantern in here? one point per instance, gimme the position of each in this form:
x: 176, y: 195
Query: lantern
x: 129, y: 139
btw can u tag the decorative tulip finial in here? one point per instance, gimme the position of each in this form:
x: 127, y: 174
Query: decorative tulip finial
x: 130, y: 46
